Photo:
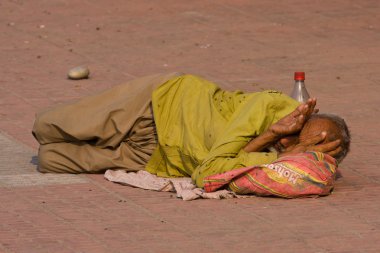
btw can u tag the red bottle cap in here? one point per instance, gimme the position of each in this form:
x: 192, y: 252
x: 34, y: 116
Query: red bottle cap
x: 299, y: 76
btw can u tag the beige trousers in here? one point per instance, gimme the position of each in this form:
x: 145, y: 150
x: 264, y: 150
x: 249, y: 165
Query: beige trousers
x: 110, y: 130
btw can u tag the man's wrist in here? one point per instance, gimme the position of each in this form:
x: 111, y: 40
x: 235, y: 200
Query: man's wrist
x: 270, y: 135
x: 267, y: 138
x: 261, y: 142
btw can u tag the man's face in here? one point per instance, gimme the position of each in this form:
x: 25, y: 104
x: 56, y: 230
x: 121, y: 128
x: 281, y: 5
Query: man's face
x: 312, y: 128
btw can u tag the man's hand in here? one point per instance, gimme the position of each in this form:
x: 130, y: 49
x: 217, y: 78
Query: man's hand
x: 315, y: 143
x: 293, y: 122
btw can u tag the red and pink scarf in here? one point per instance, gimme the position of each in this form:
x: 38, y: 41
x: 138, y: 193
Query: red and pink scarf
x: 299, y: 175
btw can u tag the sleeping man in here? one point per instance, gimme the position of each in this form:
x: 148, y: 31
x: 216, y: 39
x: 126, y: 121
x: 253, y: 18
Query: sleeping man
x: 182, y: 125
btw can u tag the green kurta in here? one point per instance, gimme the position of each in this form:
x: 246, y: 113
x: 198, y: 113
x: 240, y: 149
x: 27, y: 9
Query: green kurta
x: 202, y: 129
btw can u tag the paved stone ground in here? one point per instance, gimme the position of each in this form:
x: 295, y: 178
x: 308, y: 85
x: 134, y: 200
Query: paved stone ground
x: 242, y: 44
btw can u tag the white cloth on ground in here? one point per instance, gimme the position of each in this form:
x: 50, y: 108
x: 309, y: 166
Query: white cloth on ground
x: 184, y: 187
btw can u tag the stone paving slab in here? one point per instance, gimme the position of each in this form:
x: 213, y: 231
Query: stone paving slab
x: 18, y: 167
x: 242, y: 44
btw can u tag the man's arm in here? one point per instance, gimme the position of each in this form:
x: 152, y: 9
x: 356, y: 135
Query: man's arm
x: 292, y: 124
x: 288, y: 125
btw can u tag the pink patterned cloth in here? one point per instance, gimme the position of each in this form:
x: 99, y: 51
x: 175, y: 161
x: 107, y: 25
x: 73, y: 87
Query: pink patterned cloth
x: 299, y: 175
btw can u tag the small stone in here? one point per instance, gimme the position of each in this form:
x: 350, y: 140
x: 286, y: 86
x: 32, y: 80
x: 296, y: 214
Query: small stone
x: 42, y: 26
x: 39, y: 56
x: 97, y: 28
x: 78, y: 73
x: 205, y: 46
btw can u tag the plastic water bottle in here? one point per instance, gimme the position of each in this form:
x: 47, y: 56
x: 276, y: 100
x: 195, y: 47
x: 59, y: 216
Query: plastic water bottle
x: 299, y: 92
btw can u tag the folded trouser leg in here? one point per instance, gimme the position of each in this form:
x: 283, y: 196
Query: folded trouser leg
x: 84, y: 158
x: 131, y: 154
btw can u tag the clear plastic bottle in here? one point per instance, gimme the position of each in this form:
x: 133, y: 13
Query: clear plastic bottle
x: 299, y: 92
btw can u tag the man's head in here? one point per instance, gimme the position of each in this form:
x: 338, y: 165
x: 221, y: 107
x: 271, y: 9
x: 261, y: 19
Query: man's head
x: 334, y: 126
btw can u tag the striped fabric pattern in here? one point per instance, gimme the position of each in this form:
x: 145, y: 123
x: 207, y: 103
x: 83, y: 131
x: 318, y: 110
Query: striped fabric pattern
x: 299, y: 175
